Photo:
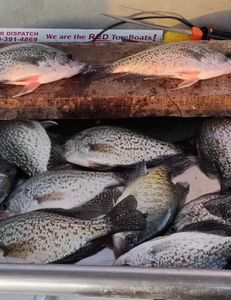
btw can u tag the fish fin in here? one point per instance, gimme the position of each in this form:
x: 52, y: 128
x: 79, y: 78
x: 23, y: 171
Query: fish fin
x: 137, y: 170
x: 17, y: 250
x: 73, y: 212
x: 209, y: 226
x: 185, y: 83
x: 49, y: 197
x: 183, y: 190
x: 220, y: 207
x: 188, y: 145
x: 95, y: 165
x: 48, y: 123
x: 124, y: 216
x: 177, y: 164
x: 132, y: 172
x: 88, y: 249
x: 31, y: 83
x: 4, y: 249
x: 101, y: 204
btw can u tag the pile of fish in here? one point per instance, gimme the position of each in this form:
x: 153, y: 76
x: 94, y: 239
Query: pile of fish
x: 62, y: 201
x: 31, y: 65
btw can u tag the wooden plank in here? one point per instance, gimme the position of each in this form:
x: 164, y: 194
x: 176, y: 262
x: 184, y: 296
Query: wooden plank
x: 80, y: 97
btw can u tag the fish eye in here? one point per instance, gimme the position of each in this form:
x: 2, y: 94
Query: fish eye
x: 4, y: 205
x: 130, y: 238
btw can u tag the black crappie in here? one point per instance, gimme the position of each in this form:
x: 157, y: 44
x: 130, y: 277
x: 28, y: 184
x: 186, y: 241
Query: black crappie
x: 110, y: 146
x: 44, y: 237
x: 181, y: 250
x: 209, y: 207
x: 7, y: 176
x: 214, y: 148
x: 60, y: 189
x: 31, y: 65
x: 189, y: 61
x: 26, y: 145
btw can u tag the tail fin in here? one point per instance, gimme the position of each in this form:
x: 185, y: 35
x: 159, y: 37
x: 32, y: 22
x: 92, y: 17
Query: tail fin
x: 124, y: 216
x: 179, y: 163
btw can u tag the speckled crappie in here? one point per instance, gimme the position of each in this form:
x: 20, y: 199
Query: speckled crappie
x: 158, y: 198
x: 60, y: 189
x: 31, y: 65
x: 189, y: 61
x: 26, y: 145
x: 209, y: 207
x: 181, y: 250
x: 110, y: 146
x: 214, y: 148
x: 44, y: 237
x: 7, y: 175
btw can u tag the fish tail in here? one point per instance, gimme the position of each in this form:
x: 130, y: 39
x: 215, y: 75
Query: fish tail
x: 176, y: 164
x: 180, y: 163
x: 97, y: 69
x: 125, y: 217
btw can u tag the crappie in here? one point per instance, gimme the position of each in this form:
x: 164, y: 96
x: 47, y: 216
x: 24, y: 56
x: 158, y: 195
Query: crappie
x: 60, y: 189
x: 44, y: 237
x: 189, y: 61
x: 214, y: 148
x: 31, y: 65
x: 209, y: 207
x: 181, y: 250
x: 26, y: 145
x: 158, y: 198
x: 110, y: 146
x: 7, y: 176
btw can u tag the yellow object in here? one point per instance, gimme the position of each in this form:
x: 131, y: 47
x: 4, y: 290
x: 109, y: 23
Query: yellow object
x: 170, y: 37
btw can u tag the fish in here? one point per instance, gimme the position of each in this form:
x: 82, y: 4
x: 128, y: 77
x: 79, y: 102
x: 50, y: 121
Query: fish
x: 158, y: 198
x: 7, y: 176
x: 213, y: 146
x: 44, y: 237
x: 33, y: 64
x: 209, y: 226
x: 26, y: 145
x: 189, y: 61
x: 98, y: 206
x: 208, y: 207
x: 197, y: 250
x: 104, y: 147
x: 60, y: 189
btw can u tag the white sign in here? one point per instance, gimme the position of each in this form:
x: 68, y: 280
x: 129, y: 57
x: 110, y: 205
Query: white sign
x: 44, y: 35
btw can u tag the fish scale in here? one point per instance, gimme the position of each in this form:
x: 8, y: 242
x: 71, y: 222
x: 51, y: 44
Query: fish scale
x: 25, y: 144
x: 213, y: 145
x: 43, y: 237
x: 208, y: 207
x: 189, y: 60
x: 158, y: 198
x: 181, y: 250
x: 64, y: 188
x: 110, y: 146
x: 31, y: 65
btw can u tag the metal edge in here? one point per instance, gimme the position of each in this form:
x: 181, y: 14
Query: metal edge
x: 114, y: 281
